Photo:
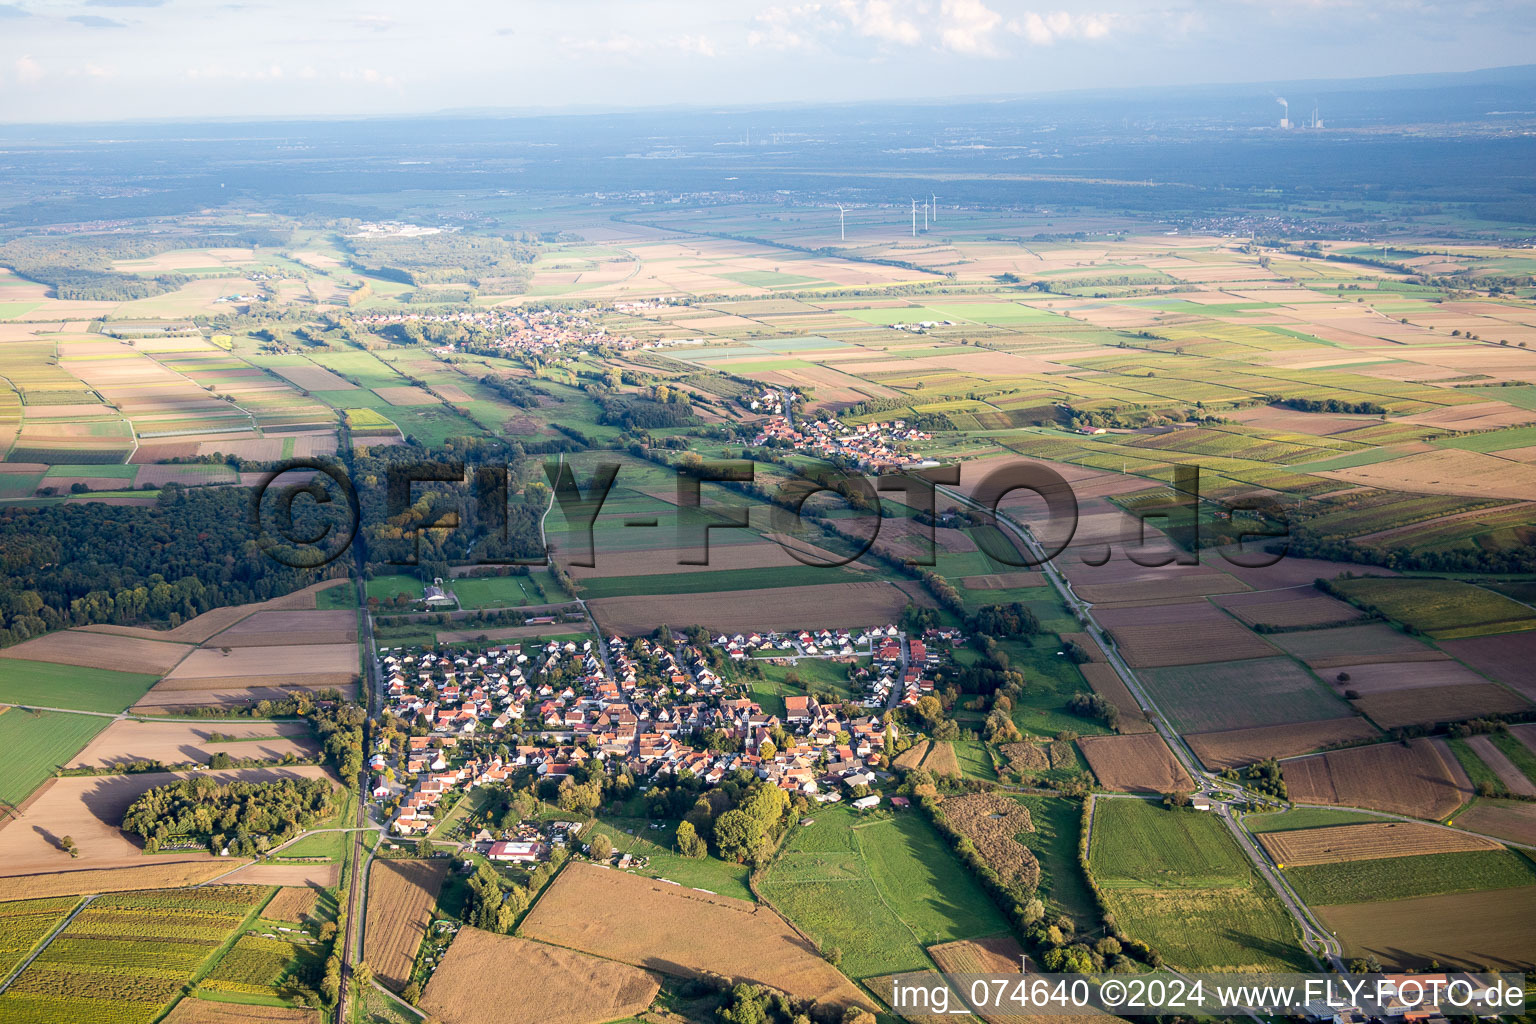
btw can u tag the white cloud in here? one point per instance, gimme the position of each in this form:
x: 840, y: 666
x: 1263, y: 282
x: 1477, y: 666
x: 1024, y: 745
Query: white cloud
x: 879, y: 19
x: 969, y: 27
x: 700, y: 45
x: 28, y: 70
x: 1045, y: 29
x: 789, y: 28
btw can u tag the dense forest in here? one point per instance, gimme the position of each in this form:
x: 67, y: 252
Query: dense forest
x: 480, y: 260
x: 70, y: 565
x: 248, y: 817
x: 79, y: 266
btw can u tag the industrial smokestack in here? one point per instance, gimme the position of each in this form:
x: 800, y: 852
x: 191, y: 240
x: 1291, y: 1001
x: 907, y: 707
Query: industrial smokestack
x: 1285, y: 118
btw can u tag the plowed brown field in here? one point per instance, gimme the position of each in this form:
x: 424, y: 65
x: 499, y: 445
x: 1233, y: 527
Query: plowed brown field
x: 683, y: 932
x: 1372, y: 841
x: 401, y: 895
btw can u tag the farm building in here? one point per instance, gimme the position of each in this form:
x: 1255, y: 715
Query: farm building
x: 864, y: 803
x: 515, y: 852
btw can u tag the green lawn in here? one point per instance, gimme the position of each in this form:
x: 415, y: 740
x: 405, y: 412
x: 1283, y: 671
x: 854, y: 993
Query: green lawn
x: 1058, y: 822
x: 499, y: 591
x: 336, y: 598
x: 975, y: 762
x: 1178, y: 881
x: 69, y: 686
x: 708, y: 872
x: 880, y: 888
x: 386, y: 587
x: 1401, y: 878
x: 36, y: 744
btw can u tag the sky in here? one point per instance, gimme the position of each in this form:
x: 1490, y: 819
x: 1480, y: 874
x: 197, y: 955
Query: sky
x: 109, y: 60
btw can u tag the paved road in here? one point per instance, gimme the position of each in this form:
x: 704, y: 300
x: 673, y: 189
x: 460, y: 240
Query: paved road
x: 1221, y: 791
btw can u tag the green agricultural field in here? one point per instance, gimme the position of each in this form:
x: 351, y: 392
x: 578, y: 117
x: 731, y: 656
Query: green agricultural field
x: 45, y: 684
x: 1138, y: 843
x: 387, y: 587
x: 1305, y: 817
x: 880, y: 888
x: 1241, y: 694
x: 1401, y: 878
x: 38, y: 743
x: 1178, y: 881
x: 1443, y: 609
x: 1493, y: 440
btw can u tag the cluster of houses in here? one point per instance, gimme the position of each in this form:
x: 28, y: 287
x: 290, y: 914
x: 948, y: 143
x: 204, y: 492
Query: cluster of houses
x: 874, y: 447
x: 532, y: 332
x: 770, y: 401
x: 514, y: 712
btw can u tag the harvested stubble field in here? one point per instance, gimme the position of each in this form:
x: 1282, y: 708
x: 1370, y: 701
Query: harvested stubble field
x: 290, y: 628
x: 401, y: 895
x: 204, y: 1011
x: 1373, y: 841
x: 682, y: 932
x: 913, y: 756
x: 92, y: 649
x: 292, y: 903
x: 1354, y: 645
x: 992, y: 822
x: 1465, y: 930
x: 323, y: 875
x: 1156, y: 636
x: 996, y: 954
x: 1507, y: 819
x: 1236, y: 747
x: 1288, y: 609
x: 1135, y: 764
x: 833, y: 606
x: 1388, y: 676
x: 549, y: 986
x: 1179, y: 588
x: 159, y: 875
x: 1241, y: 695
x: 1410, y: 779
x: 1106, y: 682
x: 182, y: 742
x: 1425, y: 705
x: 941, y: 759
x: 1506, y: 659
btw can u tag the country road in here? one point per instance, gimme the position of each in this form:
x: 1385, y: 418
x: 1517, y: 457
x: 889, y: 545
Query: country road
x: 1221, y: 791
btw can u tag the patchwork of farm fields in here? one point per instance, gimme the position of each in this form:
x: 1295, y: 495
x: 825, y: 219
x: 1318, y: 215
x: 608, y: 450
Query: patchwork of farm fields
x: 126, y: 955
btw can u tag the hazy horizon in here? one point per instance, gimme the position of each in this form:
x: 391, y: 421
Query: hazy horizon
x: 110, y: 60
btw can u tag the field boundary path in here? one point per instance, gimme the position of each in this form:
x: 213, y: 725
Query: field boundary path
x: 37, y: 952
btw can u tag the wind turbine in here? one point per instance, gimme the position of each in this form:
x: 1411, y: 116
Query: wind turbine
x: 925, y: 215
x: 914, y: 218
x: 935, y: 208
x: 842, y: 225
